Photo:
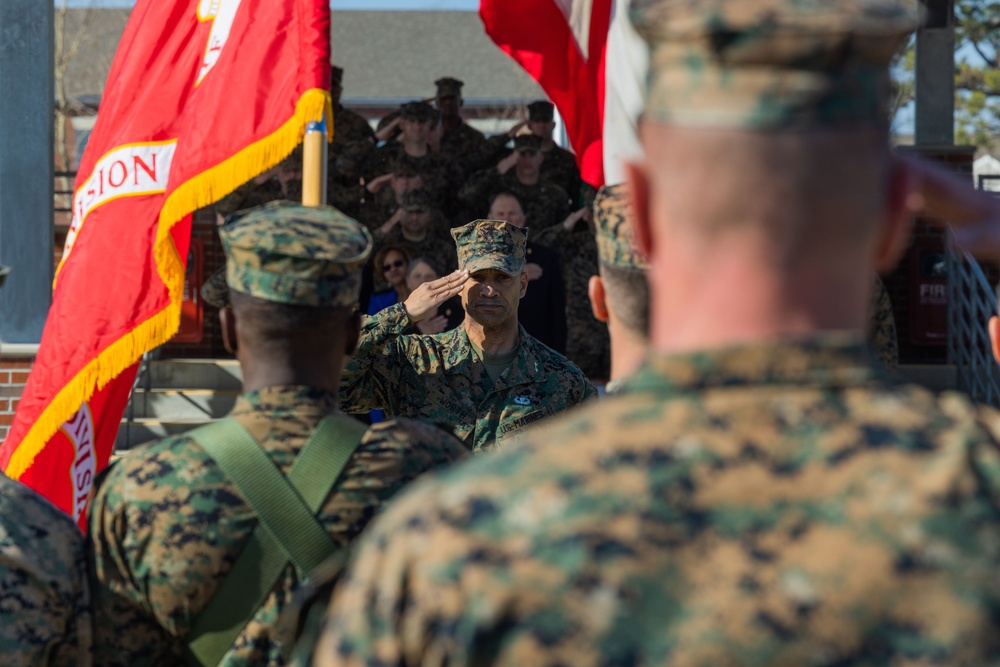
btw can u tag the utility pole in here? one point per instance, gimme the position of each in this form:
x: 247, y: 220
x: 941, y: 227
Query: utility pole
x: 935, y: 75
x: 26, y: 161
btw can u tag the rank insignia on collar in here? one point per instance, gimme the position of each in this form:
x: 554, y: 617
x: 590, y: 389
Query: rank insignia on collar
x: 522, y: 400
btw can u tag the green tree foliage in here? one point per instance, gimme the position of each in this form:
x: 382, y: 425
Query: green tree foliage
x: 977, y: 77
x: 977, y: 73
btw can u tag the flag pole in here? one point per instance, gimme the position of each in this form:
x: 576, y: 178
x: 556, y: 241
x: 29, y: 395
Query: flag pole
x: 314, y: 164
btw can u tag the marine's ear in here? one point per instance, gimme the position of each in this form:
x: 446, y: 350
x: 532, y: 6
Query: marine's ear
x: 598, y: 298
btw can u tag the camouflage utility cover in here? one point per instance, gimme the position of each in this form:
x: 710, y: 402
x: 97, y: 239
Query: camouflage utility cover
x: 527, y: 142
x: 417, y: 110
x: 417, y: 200
x: 44, y: 597
x: 167, y: 525
x: 449, y: 87
x: 293, y: 254
x: 771, y: 63
x: 541, y: 110
x: 438, y: 379
x: 615, y: 229
x: 490, y: 244
x: 768, y: 505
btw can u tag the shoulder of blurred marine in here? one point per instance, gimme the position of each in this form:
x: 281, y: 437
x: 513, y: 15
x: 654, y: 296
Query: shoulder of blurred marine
x: 44, y: 596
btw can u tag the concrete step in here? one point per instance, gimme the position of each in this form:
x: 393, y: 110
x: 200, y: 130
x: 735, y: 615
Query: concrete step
x: 938, y: 377
x: 183, y: 404
x: 143, y: 431
x: 217, y: 374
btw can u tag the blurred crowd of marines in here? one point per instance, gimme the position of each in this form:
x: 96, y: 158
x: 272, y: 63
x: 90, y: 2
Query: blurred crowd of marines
x: 756, y: 486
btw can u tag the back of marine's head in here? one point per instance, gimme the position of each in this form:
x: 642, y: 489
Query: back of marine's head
x: 293, y: 269
x: 771, y: 112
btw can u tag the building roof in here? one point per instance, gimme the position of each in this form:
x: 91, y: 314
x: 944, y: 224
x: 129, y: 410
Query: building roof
x: 986, y: 164
x: 399, y: 55
x: 387, y: 56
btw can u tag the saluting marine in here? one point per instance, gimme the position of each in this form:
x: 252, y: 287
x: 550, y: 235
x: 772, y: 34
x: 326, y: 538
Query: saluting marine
x: 485, y: 379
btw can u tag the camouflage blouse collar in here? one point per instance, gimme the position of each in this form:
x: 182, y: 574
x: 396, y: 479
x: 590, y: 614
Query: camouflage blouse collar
x: 829, y: 359
x: 527, y: 365
x: 298, y: 399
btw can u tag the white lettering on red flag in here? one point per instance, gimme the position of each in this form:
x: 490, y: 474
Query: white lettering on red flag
x: 221, y: 13
x: 79, y: 429
x: 126, y: 171
x: 578, y: 13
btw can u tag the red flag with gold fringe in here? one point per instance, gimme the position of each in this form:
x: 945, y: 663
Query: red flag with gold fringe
x: 202, y: 96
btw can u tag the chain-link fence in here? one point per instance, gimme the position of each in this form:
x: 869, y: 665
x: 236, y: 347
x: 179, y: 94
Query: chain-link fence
x: 971, y: 302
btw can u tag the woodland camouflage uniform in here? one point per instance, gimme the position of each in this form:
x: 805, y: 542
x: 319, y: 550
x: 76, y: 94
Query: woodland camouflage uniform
x: 167, y: 524
x: 44, y: 596
x: 781, y: 502
x: 882, y: 326
x: 465, y: 144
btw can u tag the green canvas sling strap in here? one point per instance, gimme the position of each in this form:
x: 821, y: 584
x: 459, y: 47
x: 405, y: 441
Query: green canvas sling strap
x: 288, y: 530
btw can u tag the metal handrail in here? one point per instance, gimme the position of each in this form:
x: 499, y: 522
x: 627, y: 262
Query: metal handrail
x: 143, y: 381
x: 971, y: 303
x: 63, y: 196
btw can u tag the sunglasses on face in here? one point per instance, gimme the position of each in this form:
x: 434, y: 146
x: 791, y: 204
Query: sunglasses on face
x: 394, y: 265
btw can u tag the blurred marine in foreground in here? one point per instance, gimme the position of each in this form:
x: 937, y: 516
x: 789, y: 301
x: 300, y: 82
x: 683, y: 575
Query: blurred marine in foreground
x: 44, y: 597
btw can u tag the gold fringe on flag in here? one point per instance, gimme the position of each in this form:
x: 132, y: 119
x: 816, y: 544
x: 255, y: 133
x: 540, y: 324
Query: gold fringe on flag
x: 197, y: 192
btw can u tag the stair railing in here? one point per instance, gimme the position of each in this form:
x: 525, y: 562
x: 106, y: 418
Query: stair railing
x: 971, y: 303
x: 142, y: 380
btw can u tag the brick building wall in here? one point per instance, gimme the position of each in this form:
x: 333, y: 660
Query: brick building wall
x: 14, y: 369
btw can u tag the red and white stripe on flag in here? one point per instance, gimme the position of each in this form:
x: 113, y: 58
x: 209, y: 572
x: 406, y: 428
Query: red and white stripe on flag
x: 561, y: 44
